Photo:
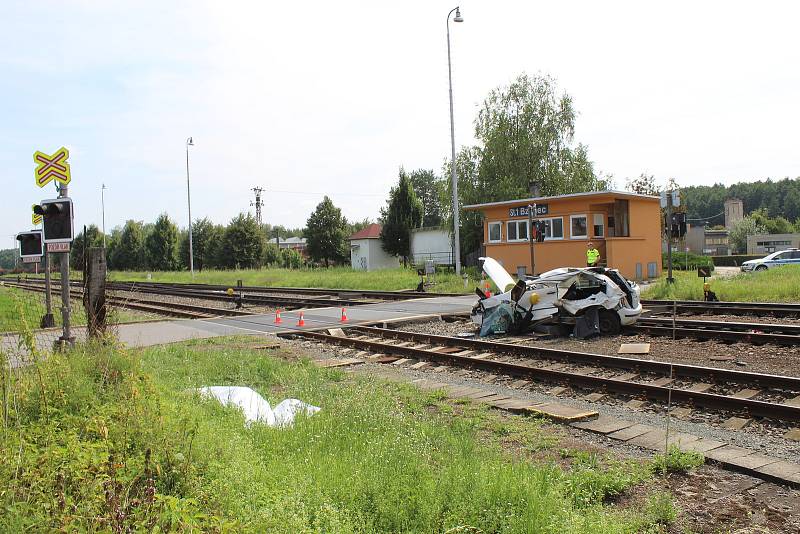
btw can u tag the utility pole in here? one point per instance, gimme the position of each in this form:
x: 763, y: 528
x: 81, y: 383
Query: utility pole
x: 668, y: 225
x: 258, y: 203
x: 66, y: 337
x: 103, y: 202
x: 531, y: 209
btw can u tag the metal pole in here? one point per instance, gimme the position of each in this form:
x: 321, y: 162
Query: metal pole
x: 189, y: 197
x: 103, y: 202
x: 453, y: 178
x: 669, y: 237
x: 530, y: 237
x: 47, y: 320
x: 66, y: 337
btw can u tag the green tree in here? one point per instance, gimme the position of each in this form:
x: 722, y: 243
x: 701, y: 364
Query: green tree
x: 738, y: 234
x: 206, y: 241
x: 93, y: 238
x: 431, y: 192
x: 291, y: 259
x: 403, y: 212
x: 357, y: 226
x: 128, y: 250
x: 272, y: 254
x: 644, y: 184
x: 7, y: 258
x: 161, y: 245
x: 243, y: 243
x: 326, y: 233
x: 526, y: 132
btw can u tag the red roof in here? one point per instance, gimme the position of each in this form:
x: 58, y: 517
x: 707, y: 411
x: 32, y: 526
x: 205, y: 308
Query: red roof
x: 373, y: 231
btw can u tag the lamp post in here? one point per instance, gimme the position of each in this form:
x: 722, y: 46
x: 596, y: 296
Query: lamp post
x: 453, y: 177
x: 189, y: 201
x: 103, y: 204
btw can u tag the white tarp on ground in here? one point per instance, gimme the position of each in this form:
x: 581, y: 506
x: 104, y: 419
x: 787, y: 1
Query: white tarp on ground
x: 256, y: 408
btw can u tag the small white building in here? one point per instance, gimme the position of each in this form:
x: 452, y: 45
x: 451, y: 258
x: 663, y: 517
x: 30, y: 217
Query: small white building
x: 431, y: 244
x: 366, y: 252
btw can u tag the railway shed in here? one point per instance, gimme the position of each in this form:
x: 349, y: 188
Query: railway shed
x: 624, y: 227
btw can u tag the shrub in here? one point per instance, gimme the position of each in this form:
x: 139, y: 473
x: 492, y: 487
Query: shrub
x: 676, y: 461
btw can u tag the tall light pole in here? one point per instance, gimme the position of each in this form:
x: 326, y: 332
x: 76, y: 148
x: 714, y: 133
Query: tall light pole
x: 103, y: 203
x: 189, y: 198
x: 453, y: 178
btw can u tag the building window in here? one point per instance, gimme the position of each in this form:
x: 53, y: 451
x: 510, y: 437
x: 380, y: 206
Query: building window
x: 495, y: 229
x: 578, y: 227
x: 517, y: 231
x: 599, y: 224
x: 553, y: 228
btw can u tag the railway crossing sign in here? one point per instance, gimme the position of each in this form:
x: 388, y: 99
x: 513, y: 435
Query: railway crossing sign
x: 49, y: 168
x: 35, y: 217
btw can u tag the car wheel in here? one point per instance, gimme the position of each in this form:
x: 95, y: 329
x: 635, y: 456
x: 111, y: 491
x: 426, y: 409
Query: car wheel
x: 609, y: 323
x: 761, y: 268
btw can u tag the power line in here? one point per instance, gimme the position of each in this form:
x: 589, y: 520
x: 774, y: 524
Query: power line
x: 335, y: 194
x: 707, y: 218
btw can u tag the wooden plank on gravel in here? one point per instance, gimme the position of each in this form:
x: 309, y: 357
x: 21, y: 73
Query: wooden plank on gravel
x: 337, y: 363
x: 603, y: 424
x: 402, y: 361
x: 631, y: 432
x: 780, y: 469
x: 421, y: 365
x: 634, y: 348
x: 703, y: 445
x: 700, y: 387
x: 496, y: 397
x: 752, y: 461
x: 562, y: 412
x: 727, y: 453
x: 482, y: 356
x: 382, y: 358
x: 793, y: 402
x: 650, y: 440
x: 480, y: 394
x: 746, y: 393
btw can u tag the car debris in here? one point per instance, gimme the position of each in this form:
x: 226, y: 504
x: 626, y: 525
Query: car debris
x: 581, y: 301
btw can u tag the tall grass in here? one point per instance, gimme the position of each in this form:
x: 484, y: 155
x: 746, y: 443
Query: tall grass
x: 333, y: 278
x: 126, y: 444
x: 780, y: 284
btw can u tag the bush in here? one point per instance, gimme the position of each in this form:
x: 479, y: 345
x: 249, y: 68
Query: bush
x: 734, y: 261
x: 682, y: 261
x: 676, y: 461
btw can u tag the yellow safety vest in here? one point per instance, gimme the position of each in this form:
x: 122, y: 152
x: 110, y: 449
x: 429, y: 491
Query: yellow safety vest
x: 592, y: 255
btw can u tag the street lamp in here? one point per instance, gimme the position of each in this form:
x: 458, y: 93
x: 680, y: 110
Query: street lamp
x: 189, y: 200
x: 103, y: 203
x: 453, y: 177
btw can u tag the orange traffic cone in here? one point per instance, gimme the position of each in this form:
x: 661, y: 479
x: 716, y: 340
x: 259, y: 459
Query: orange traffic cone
x: 344, y: 316
x: 278, y: 316
x: 301, y: 321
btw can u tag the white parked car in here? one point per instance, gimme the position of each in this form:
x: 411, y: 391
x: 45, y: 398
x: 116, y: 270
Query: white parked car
x: 776, y: 259
x: 587, y: 300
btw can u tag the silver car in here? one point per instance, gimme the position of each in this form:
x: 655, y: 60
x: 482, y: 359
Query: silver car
x: 561, y: 297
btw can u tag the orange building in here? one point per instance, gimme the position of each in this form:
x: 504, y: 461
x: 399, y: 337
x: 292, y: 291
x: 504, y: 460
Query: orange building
x: 624, y: 227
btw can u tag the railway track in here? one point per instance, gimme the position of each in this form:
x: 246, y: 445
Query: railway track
x: 706, y: 387
x: 170, y: 309
x: 695, y: 307
x: 738, y: 332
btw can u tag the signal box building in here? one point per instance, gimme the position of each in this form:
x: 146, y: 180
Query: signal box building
x: 624, y: 227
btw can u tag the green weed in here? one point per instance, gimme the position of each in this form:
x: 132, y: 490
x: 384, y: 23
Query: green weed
x: 676, y: 461
x: 774, y: 285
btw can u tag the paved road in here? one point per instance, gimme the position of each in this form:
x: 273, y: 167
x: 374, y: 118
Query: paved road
x: 160, y: 332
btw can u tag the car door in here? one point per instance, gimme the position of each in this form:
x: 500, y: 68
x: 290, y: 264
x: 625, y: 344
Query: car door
x: 780, y: 259
x: 795, y: 257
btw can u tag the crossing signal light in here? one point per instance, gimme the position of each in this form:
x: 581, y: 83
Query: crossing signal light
x: 58, y: 219
x: 30, y: 244
x: 677, y: 225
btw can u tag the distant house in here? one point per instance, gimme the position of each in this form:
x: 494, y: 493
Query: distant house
x: 768, y: 243
x: 294, y: 243
x: 366, y: 252
x: 431, y: 244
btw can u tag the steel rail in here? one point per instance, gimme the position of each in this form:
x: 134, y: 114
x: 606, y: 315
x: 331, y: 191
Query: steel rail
x: 709, y: 400
x: 653, y: 366
x: 712, y: 330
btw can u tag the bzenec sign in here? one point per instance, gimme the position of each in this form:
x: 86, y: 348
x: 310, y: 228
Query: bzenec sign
x: 522, y: 211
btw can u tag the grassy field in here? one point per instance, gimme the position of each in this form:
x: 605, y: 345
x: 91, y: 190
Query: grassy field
x: 334, y: 278
x: 108, y: 440
x: 775, y: 285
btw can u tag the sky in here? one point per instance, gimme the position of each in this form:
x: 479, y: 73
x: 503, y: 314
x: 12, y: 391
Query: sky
x: 332, y: 98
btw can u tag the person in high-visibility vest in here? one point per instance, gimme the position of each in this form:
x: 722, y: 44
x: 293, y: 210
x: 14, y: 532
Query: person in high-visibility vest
x: 592, y: 255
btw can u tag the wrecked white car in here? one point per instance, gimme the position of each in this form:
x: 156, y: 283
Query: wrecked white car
x: 582, y: 301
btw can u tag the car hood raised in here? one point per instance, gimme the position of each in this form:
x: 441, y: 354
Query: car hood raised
x: 498, y: 274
